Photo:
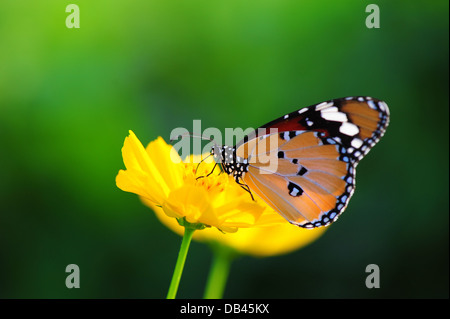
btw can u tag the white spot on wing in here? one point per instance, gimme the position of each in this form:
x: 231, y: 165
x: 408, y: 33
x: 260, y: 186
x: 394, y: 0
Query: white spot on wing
x: 383, y: 107
x: 356, y: 143
x: 323, y: 105
x: 334, y: 116
x: 372, y: 105
x: 329, y: 109
x: 349, y: 129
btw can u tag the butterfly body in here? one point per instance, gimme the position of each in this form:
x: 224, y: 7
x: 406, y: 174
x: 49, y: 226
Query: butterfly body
x: 303, y: 164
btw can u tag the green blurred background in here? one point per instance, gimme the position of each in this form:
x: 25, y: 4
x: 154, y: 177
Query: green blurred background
x: 69, y: 96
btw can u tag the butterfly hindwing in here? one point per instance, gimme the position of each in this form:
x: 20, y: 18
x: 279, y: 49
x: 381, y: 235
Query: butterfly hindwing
x: 306, y: 180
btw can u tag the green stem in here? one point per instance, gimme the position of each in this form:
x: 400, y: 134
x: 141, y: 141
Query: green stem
x: 218, y: 275
x: 173, y: 288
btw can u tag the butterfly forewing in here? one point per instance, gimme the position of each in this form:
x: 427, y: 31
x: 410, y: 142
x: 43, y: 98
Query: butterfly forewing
x: 305, y: 181
x: 357, y: 123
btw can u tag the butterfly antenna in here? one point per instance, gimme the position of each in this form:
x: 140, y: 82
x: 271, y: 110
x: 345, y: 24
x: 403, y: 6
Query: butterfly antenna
x: 189, y: 134
x: 192, y: 135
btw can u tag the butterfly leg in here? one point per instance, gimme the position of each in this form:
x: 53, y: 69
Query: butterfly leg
x: 209, y: 172
x: 245, y: 187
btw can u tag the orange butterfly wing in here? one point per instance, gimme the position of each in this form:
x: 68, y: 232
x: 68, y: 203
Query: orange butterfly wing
x: 316, y: 151
x: 303, y: 179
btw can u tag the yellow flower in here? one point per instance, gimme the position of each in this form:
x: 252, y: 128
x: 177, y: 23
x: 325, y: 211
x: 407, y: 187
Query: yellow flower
x: 159, y: 177
x: 171, y: 188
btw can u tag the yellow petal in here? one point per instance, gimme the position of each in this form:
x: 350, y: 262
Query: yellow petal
x: 239, y: 213
x: 270, y: 240
x: 190, y: 202
x: 136, y: 158
x: 167, y: 161
x: 269, y: 217
x: 138, y: 182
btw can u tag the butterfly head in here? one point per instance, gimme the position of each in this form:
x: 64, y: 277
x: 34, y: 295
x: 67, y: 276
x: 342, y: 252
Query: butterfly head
x: 231, y: 164
x: 216, y: 153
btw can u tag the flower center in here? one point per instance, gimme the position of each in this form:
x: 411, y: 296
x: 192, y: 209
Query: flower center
x: 198, y: 175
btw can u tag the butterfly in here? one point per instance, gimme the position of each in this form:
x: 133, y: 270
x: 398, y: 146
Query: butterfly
x: 303, y: 163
